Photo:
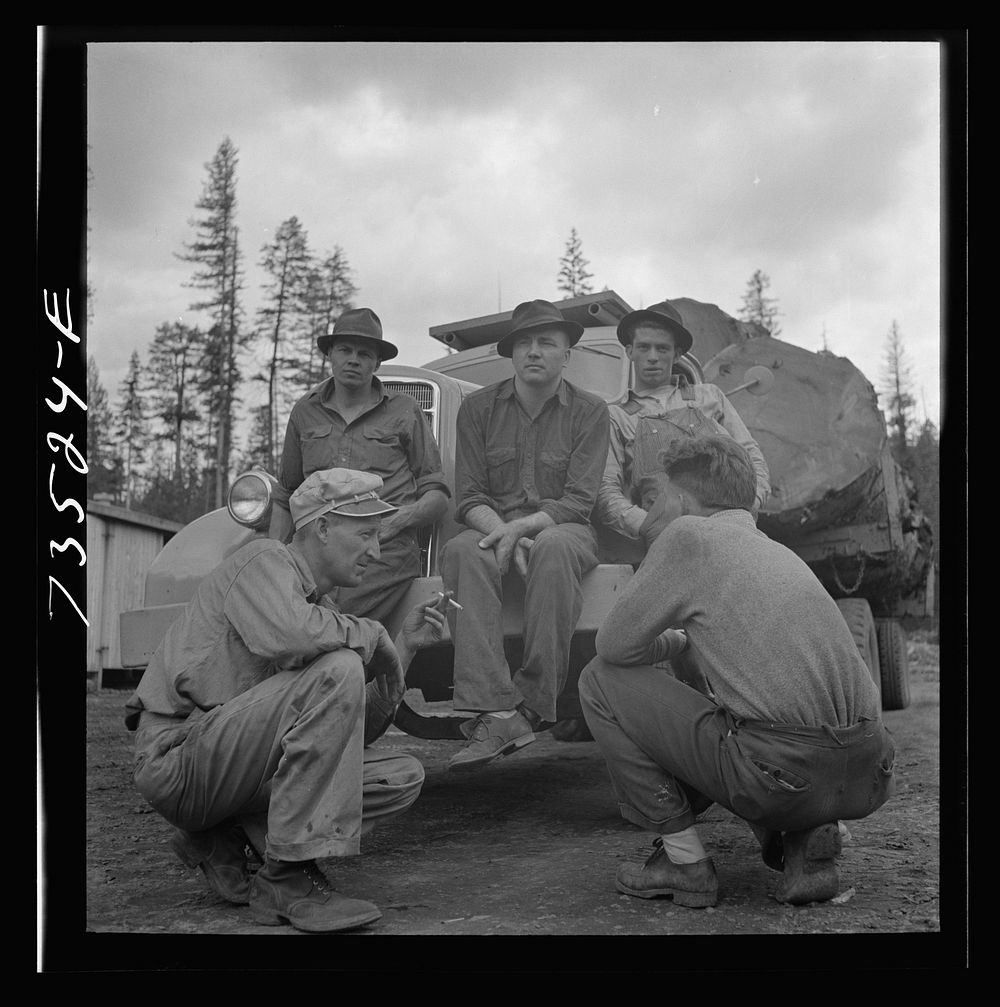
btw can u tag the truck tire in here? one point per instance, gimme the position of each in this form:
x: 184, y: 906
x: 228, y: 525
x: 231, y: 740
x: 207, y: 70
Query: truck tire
x: 895, y: 663
x: 857, y: 614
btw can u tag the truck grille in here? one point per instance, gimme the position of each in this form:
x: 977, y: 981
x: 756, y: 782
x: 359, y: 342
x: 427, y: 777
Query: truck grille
x: 426, y: 395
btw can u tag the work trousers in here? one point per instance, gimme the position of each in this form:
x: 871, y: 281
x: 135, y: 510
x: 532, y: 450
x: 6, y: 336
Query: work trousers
x: 667, y: 747
x: 553, y: 598
x: 292, y: 748
x: 386, y: 580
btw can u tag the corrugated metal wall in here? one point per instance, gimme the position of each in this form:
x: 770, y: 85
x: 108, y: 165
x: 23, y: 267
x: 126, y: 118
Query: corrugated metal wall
x: 118, y: 556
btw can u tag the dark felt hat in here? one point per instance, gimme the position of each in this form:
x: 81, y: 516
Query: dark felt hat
x: 359, y: 323
x: 532, y: 315
x: 663, y: 314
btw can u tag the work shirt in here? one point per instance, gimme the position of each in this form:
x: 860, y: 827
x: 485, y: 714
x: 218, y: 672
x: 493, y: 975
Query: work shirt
x: 257, y: 613
x: 768, y: 637
x: 614, y: 506
x: 391, y: 438
x: 517, y: 465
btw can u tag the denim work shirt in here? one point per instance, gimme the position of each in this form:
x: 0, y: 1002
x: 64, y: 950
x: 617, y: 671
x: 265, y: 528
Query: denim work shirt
x: 615, y: 509
x: 517, y: 465
x: 392, y: 438
x: 255, y: 614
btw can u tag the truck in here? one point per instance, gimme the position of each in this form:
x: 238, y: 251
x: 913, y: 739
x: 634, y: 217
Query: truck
x: 838, y: 500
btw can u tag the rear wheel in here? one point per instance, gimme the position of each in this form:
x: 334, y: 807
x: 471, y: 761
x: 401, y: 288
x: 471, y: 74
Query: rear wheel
x: 895, y: 664
x: 857, y: 614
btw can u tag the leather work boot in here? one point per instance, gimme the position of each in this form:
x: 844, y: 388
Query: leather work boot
x: 298, y: 893
x: 492, y: 737
x: 810, y: 865
x: 220, y: 852
x: 692, y: 885
x: 772, y: 850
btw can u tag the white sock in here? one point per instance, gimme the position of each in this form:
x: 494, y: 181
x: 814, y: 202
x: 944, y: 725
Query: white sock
x: 502, y: 714
x: 684, y: 847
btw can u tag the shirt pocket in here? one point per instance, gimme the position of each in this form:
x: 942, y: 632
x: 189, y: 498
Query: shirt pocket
x: 317, y: 448
x: 554, y: 463
x: 384, y: 451
x: 501, y: 470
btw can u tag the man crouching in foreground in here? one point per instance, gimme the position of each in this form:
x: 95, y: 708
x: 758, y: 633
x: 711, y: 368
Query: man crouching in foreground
x: 255, y: 708
x: 790, y: 736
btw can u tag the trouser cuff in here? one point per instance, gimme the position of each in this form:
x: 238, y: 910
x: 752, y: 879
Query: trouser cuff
x: 664, y: 826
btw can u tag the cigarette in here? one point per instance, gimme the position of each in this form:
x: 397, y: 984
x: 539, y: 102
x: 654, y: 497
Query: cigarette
x: 454, y: 604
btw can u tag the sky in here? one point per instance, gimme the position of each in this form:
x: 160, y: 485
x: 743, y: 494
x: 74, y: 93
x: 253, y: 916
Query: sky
x: 452, y: 173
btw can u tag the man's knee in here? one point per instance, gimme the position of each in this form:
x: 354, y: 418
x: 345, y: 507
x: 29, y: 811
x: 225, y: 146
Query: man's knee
x: 588, y: 685
x: 557, y: 546
x: 342, y: 670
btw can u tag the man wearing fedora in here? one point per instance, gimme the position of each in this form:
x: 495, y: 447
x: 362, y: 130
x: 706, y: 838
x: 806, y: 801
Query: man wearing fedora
x: 351, y: 421
x: 660, y: 407
x: 252, y: 719
x: 528, y: 461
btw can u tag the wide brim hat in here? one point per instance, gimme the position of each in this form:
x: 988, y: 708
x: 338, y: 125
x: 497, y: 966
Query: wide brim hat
x: 359, y: 323
x: 663, y: 314
x: 531, y: 315
x: 347, y: 492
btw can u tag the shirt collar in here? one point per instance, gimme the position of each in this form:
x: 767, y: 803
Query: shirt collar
x: 734, y: 515
x: 676, y: 381
x: 506, y: 391
x: 302, y: 567
x: 323, y: 392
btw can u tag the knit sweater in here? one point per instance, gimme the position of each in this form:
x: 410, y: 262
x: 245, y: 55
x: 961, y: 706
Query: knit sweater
x: 770, y: 639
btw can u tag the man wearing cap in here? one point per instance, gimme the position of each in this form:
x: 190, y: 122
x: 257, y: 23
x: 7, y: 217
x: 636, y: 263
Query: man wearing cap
x: 660, y: 407
x: 351, y: 421
x: 529, y: 455
x: 253, y: 716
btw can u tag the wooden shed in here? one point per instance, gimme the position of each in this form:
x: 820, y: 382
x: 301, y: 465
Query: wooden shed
x: 121, y: 545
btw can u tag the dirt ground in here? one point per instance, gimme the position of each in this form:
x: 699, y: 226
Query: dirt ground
x: 529, y: 846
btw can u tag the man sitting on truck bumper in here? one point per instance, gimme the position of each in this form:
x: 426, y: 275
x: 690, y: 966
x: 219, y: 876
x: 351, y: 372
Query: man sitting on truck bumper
x: 660, y: 407
x: 528, y: 461
x: 255, y: 707
x: 789, y: 737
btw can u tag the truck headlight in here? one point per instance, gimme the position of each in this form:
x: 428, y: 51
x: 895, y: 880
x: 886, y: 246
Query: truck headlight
x: 249, y: 500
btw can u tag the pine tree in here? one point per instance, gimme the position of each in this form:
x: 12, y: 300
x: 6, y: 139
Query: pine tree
x: 100, y: 442
x: 757, y: 306
x: 897, y: 386
x: 288, y: 264
x: 330, y: 293
x: 573, y: 279
x: 216, y: 254
x: 131, y: 431
x: 172, y: 362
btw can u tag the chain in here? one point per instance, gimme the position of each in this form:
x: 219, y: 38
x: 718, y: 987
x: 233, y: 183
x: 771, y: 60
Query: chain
x: 836, y: 576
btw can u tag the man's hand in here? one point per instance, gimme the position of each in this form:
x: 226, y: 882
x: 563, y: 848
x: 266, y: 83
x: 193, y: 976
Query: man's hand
x: 503, y: 541
x: 657, y: 519
x: 387, y: 669
x: 424, y: 624
x: 521, y: 551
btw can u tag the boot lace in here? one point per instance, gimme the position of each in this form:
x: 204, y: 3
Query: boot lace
x: 318, y: 878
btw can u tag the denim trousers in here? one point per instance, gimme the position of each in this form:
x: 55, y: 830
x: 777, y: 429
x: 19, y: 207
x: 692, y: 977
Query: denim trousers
x: 553, y: 600
x: 671, y: 751
x: 291, y: 749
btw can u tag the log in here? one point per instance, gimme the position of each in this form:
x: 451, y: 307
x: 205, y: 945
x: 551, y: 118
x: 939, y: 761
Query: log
x: 819, y: 428
x: 713, y: 330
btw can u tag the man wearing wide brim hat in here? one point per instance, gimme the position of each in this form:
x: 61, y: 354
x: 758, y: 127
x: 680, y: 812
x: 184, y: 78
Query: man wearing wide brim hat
x: 253, y: 717
x: 529, y: 455
x: 351, y: 420
x: 661, y: 405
